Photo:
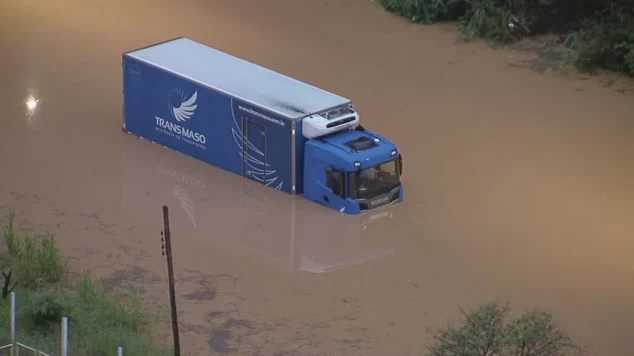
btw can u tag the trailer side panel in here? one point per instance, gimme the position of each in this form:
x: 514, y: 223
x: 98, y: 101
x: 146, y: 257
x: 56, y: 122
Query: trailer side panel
x: 205, y: 124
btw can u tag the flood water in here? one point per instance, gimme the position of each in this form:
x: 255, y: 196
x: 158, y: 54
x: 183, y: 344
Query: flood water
x: 518, y: 185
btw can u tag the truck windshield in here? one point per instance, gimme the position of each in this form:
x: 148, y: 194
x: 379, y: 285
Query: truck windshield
x: 373, y: 181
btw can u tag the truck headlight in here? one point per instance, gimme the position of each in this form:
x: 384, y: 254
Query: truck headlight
x: 357, y: 164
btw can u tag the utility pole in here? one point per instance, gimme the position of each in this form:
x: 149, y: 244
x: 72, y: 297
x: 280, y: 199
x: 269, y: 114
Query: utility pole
x: 167, y: 251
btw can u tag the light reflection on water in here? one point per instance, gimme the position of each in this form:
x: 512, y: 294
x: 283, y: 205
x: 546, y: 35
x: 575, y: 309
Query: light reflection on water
x: 32, y: 102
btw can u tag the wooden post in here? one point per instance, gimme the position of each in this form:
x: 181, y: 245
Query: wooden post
x: 167, y: 251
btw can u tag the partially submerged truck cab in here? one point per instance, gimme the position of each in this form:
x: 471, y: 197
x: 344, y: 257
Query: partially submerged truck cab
x: 258, y: 123
x: 352, y: 171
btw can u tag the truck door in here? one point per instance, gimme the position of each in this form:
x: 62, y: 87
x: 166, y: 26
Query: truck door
x: 254, y: 150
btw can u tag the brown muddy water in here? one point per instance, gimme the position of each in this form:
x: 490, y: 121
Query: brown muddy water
x: 519, y: 185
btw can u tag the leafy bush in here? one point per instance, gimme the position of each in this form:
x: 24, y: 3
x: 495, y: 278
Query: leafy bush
x: 602, y: 30
x: 497, y: 23
x: 487, y: 331
x: 606, y: 42
x: 34, y: 259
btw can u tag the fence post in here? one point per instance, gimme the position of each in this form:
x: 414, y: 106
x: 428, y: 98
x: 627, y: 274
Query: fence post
x: 64, y: 336
x: 14, y: 341
x: 120, y: 351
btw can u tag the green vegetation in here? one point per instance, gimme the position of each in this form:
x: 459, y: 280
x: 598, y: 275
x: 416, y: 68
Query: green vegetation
x: 34, y: 259
x: 600, y: 31
x: 489, y: 331
x: 98, y: 322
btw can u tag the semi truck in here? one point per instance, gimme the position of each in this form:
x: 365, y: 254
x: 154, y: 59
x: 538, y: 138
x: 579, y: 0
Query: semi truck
x: 260, y: 124
x: 208, y: 206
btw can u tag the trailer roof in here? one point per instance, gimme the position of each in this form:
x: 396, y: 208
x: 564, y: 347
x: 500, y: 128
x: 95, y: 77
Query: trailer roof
x: 237, y: 77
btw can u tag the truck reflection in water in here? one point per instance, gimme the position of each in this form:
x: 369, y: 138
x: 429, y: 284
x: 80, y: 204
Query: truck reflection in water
x: 213, y: 205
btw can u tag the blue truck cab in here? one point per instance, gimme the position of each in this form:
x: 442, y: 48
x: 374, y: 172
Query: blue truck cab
x: 260, y: 124
x: 353, y: 171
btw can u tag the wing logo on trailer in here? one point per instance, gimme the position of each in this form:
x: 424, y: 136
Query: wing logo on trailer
x: 185, y: 108
x: 181, y: 108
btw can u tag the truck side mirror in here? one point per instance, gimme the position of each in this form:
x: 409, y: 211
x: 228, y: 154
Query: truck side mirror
x: 400, y: 165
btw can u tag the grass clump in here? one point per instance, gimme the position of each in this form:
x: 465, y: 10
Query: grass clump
x: 35, y: 259
x: 600, y: 31
x: 489, y: 331
x: 99, y: 322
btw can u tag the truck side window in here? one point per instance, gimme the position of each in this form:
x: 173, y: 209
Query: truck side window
x: 334, y: 181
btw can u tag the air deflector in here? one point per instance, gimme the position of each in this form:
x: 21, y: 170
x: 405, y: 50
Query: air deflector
x: 361, y: 144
